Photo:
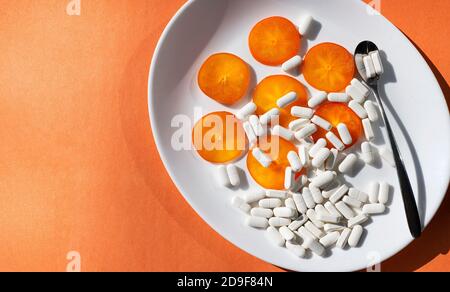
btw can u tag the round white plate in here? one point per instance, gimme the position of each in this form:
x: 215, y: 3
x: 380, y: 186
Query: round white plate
x: 420, y: 120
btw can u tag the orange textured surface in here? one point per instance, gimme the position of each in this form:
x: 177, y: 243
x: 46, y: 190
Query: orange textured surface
x: 79, y: 169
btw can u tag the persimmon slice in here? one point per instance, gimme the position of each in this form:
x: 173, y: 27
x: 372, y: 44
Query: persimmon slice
x: 269, y: 90
x: 273, y: 176
x: 219, y: 137
x: 274, y: 40
x: 225, y: 78
x: 329, y: 67
x: 337, y: 113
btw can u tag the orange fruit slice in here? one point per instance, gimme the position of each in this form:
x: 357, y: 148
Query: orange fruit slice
x: 219, y: 137
x: 274, y: 40
x: 273, y: 176
x: 337, y: 113
x: 225, y: 78
x: 328, y: 67
x: 269, y: 90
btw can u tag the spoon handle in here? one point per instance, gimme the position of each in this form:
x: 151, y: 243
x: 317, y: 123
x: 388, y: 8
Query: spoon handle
x: 412, y: 213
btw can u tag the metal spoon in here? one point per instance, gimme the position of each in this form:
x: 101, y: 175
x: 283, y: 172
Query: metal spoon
x: 412, y: 214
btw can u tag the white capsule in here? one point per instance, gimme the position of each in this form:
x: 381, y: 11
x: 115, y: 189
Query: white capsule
x: 360, y: 219
x: 294, y: 161
x: 305, y: 24
x: 332, y: 227
x: 371, y: 110
x: 300, y: 203
x: 314, y: 230
x: 367, y: 153
x: 372, y: 209
x: 233, y: 175
x: 374, y: 190
x: 337, y: 143
x: 358, y: 109
x: 298, y: 124
x: 324, y: 124
x: 332, y: 159
x: 303, y: 155
x: 345, y: 210
x: 268, y: 116
x: 358, y: 195
x: 328, y: 218
x: 355, y: 236
x: 388, y: 156
x: 347, y: 165
x: 257, y: 127
x: 323, y: 179
x: 270, y: 203
x: 276, y: 194
x: 283, y: 133
x: 359, y: 61
x: 320, y: 209
x: 316, y: 194
x: 383, y: 197
x: 295, y: 225
x: 246, y: 111
x: 222, y: 176
x: 307, y: 197
x: 261, y: 157
x: 287, y: 99
x: 355, y: 94
x: 317, y: 99
x: 370, y: 68
x: 314, y: 246
x: 251, y: 136
x: 287, y: 233
x: 283, y: 212
x: 296, y: 249
x: 306, y: 132
x: 257, y: 222
x: 330, y: 239
x: 240, y: 204
x: 332, y: 209
x: 254, y: 196
x: 275, y: 237
x: 368, y: 130
x: 377, y: 63
x: 320, y: 144
x: 289, y: 178
x: 289, y: 203
x: 343, y: 238
x: 302, y: 112
x: 338, y: 97
x: 312, y: 215
x: 278, y: 222
x: 352, y: 202
x: 330, y: 189
x: 361, y: 87
x: 261, y: 212
x: 292, y: 65
x: 304, y: 233
x: 339, y: 193
x: 321, y: 157
x: 344, y: 133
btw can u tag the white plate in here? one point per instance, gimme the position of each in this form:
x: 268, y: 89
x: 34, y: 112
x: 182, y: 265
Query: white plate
x: 420, y: 121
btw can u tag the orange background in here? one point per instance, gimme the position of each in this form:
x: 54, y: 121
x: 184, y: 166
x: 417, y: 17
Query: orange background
x: 78, y: 166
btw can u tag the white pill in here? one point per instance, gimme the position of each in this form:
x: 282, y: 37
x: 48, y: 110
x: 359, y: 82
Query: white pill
x: 305, y: 24
x: 289, y: 203
x: 355, y: 236
x: 372, y: 209
x: 321, y: 157
x: 330, y: 189
x: 371, y: 110
x: 240, y: 204
x: 251, y: 136
x: 294, y: 161
x: 303, y: 154
x: 312, y: 215
x: 368, y: 130
x: 275, y: 237
x: 332, y: 227
x: 345, y: 210
x: 330, y: 239
x: 304, y: 233
x: 302, y: 112
x: 233, y: 175
x: 283, y: 133
x: 314, y: 246
x: 317, y: 99
x: 308, y: 198
x: 292, y: 65
x: 360, y: 219
x: 306, y: 132
x: 355, y: 94
x: 296, y: 249
x: 358, y: 109
x: 278, y: 222
x: 338, y: 97
x: 347, y: 165
x: 359, y: 61
x: 370, y: 67
x: 358, y: 195
x: 374, y: 190
x: 387, y: 155
x: 314, y: 230
x: 287, y: 233
x: 289, y: 178
x: 270, y: 203
x: 222, y: 176
x: 339, y: 193
x: 269, y: 116
x: 262, y: 212
x: 328, y: 218
x: 377, y: 63
x: 298, y: 124
x: 352, y: 202
x: 361, y: 87
x: 283, y: 212
x: 324, y: 124
x: 257, y: 127
x: 254, y: 196
x: 320, y: 144
x: 246, y: 111
x: 300, y: 203
x: 261, y: 157
x: 332, y: 159
x: 257, y: 222
x: 287, y: 99
x: 383, y: 197
x: 367, y: 153
x: 316, y: 194
x: 344, y: 133
x: 335, y: 141
x: 295, y: 225
x: 343, y: 238
x: 332, y: 209
x: 320, y: 209
x: 276, y: 194
x: 323, y: 179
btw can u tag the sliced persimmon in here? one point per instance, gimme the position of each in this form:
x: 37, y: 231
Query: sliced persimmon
x: 274, y: 40
x: 328, y: 67
x: 269, y: 90
x: 337, y: 113
x: 219, y: 137
x: 272, y: 177
x: 225, y: 78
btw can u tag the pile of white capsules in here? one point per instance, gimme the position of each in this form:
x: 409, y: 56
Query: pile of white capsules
x: 316, y: 211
